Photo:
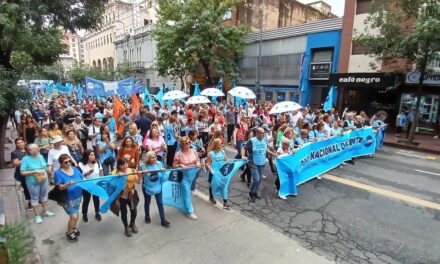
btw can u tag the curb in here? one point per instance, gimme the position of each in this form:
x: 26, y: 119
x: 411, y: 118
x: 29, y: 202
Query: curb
x: 408, y: 147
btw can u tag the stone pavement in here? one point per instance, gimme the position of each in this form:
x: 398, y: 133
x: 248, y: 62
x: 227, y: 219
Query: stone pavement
x: 426, y: 142
x: 218, y: 236
x: 11, y: 205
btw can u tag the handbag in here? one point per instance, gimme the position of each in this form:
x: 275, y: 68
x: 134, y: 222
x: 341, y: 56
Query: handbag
x: 57, y: 195
x: 109, y: 161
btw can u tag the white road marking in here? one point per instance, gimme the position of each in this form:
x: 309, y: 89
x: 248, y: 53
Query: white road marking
x: 428, y: 172
x: 410, y: 155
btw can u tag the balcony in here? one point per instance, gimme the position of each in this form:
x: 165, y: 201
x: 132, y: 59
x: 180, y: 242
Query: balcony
x: 143, y: 29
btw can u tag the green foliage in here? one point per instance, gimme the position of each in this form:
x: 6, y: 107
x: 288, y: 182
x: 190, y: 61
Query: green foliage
x: 30, y: 37
x: 19, y: 241
x: 192, y: 34
x: 411, y: 30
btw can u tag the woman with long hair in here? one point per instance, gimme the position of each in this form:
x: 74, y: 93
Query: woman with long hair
x: 65, y: 178
x: 91, y: 169
x: 106, y: 150
x: 30, y: 127
x: 171, y: 137
x: 130, y: 151
x: 54, y: 130
x: 215, y: 155
x: 152, y: 186
x: 16, y: 157
x: 74, y: 145
x: 155, y: 142
x: 128, y: 197
x: 238, y: 137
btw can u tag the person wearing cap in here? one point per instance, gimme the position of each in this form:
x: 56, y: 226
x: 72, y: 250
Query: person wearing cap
x: 152, y: 186
x: 54, y: 154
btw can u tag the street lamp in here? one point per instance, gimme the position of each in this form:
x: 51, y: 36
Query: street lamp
x: 260, y: 47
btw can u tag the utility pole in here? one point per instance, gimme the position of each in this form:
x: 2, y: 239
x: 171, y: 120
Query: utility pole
x: 260, y: 47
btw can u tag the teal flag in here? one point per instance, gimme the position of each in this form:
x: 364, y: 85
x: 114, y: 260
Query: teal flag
x: 328, y: 104
x: 79, y: 91
x: 147, y: 98
x: 196, y: 88
x: 160, y: 94
x: 223, y: 173
x: 107, y: 188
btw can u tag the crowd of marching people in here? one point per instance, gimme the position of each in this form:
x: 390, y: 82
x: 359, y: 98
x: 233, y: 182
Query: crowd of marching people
x: 62, y: 140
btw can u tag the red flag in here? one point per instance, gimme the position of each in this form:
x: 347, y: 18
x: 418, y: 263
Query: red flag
x: 118, y: 111
x: 136, y: 104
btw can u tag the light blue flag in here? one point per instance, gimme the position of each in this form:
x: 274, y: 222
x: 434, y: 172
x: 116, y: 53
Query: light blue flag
x: 147, y: 98
x: 220, y: 87
x: 238, y: 100
x: 176, y: 192
x: 80, y: 92
x: 328, y: 104
x: 69, y: 87
x: 196, y: 89
x: 314, y: 159
x: 223, y: 174
x: 160, y: 94
x: 380, y: 135
x: 107, y: 188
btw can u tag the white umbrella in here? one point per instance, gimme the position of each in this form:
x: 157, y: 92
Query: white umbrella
x: 242, y: 92
x: 212, y: 92
x: 197, y: 99
x: 283, y: 107
x: 174, y: 95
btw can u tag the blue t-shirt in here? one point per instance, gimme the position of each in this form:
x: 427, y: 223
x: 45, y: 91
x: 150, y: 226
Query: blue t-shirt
x: 73, y: 191
x: 29, y: 163
x: 153, y: 181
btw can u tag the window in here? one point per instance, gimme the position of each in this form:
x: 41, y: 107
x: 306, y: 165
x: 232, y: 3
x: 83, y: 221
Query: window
x: 73, y: 39
x: 294, y: 97
x: 362, y: 6
x: 269, y: 96
x: 149, y: 4
x: 281, y: 97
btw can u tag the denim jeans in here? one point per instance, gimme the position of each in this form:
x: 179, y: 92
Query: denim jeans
x: 147, y: 201
x: 238, y: 146
x: 257, y: 172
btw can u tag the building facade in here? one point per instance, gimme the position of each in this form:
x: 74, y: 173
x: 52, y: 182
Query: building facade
x: 369, y: 85
x: 296, y: 62
x: 73, y: 51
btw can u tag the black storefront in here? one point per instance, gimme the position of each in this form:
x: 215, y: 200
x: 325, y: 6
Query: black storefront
x: 369, y: 92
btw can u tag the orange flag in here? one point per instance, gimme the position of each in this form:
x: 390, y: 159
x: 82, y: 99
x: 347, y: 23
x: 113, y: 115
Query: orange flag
x: 118, y: 111
x: 136, y: 104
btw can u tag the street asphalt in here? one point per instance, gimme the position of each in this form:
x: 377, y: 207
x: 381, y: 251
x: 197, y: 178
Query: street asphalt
x: 348, y: 224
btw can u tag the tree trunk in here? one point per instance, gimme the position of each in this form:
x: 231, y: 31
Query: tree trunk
x: 208, y: 80
x: 416, y: 112
x: 3, y: 125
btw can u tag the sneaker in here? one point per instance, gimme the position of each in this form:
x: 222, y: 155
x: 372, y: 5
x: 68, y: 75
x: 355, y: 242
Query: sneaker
x: 147, y: 220
x: 134, y: 229
x: 29, y: 207
x: 248, y: 185
x: 435, y: 137
x: 72, y: 237
x: 319, y: 178
x: 252, y: 198
x: 257, y: 197
x: 212, y: 200
x: 282, y: 197
x: 76, y: 232
x: 38, y: 219
x: 227, y: 206
x: 165, y: 223
x: 98, y: 217
x: 264, y: 176
x: 128, y: 231
x: 192, y: 216
x: 85, y: 218
x: 48, y: 213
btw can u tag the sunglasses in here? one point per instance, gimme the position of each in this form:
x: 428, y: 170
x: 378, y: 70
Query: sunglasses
x: 67, y: 162
x: 186, y: 142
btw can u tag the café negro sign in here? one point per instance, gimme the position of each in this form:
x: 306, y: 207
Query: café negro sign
x: 363, y: 80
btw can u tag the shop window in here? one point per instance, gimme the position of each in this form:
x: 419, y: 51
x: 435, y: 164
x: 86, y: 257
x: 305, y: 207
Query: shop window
x: 281, y: 97
x: 427, y: 111
x: 294, y: 97
x: 269, y: 96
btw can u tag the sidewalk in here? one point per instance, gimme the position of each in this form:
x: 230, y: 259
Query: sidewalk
x: 217, y: 236
x: 11, y: 209
x: 427, y: 142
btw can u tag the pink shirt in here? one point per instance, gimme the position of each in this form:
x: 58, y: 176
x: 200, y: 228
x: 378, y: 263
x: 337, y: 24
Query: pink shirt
x: 156, y: 145
x: 189, y: 158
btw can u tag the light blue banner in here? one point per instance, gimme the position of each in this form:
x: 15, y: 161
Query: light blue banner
x: 64, y: 89
x: 104, y: 88
x: 223, y: 174
x: 316, y: 158
x: 107, y: 188
x: 176, y: 192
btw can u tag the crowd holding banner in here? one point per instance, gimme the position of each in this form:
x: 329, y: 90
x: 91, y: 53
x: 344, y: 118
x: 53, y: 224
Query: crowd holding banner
x: 101, y: 140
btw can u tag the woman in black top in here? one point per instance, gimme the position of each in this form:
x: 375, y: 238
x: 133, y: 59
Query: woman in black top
x: 16, y: 157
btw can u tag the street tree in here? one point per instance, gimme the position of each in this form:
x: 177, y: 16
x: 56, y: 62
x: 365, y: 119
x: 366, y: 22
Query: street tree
x: 193, y: 35
x: 34, y: 29
x: 404, y: 29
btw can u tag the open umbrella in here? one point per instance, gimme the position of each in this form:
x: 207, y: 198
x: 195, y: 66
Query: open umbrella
x: 242, y: 92
x: 197, y: 99
x: 174, y: 95
x: 212, y: 92
x: 283, y: 107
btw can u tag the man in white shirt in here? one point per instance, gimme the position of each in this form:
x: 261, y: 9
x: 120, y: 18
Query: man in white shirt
x: 54, y: 154
x: 94, y: 131
x: 295, y: 116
